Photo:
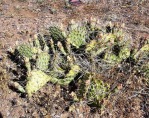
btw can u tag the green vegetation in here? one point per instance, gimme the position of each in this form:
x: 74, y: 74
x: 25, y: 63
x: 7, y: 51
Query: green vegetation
x: 59, y: 59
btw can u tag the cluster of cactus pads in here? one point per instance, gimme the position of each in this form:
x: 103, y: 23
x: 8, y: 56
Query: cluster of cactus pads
x: 56, y: 58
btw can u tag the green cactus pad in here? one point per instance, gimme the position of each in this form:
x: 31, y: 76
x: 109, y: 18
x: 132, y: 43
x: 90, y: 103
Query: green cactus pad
x: 56, y: 33
x: 117, y: 48
x: 70, y: 75
x: 56, y: 68
x: 97, y: 91
x: 42, y: 61
x: 26, y: 51
x: 115, y: 59
x: 36, y: 80
x: 77, y: 37
x: 91, y: 46
x: 142, y: 57
x: 144, y: 51
x: 124, y: 53
x: 36, y: 42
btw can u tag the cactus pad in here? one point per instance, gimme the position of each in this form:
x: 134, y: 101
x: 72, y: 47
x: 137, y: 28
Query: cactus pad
x: 36, y: 80
x: 142, y: 57
x: 42, y: 61
x: 26, y: 51
x: 56, y: 33
x: 70, y: 75
x: 77, y: 37
x: 97, y: 91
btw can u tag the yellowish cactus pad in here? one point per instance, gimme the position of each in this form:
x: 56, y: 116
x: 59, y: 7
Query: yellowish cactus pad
x: 36, y: 80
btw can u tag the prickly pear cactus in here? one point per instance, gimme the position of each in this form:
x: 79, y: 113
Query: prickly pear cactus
x: 56, y: 33
x: 36, y: 80
x: 77, y: 37
x: 112, y: 45
x: 38, y: 70
x: 97, y: 91
x: 118, y: 48
x: 42, y: 62
x: 75, y: 69
x: 56, y: 60
x: 117, y: 55
x: 26, y: 50
x: 142, y: 59
x: 93, y: 90
x: 76, y: 34
x: 143, y: 52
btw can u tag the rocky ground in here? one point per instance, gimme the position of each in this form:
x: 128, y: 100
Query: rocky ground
x: 21, y: 19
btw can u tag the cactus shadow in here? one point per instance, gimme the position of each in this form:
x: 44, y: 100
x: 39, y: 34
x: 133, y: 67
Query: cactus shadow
x: 18, y: 72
